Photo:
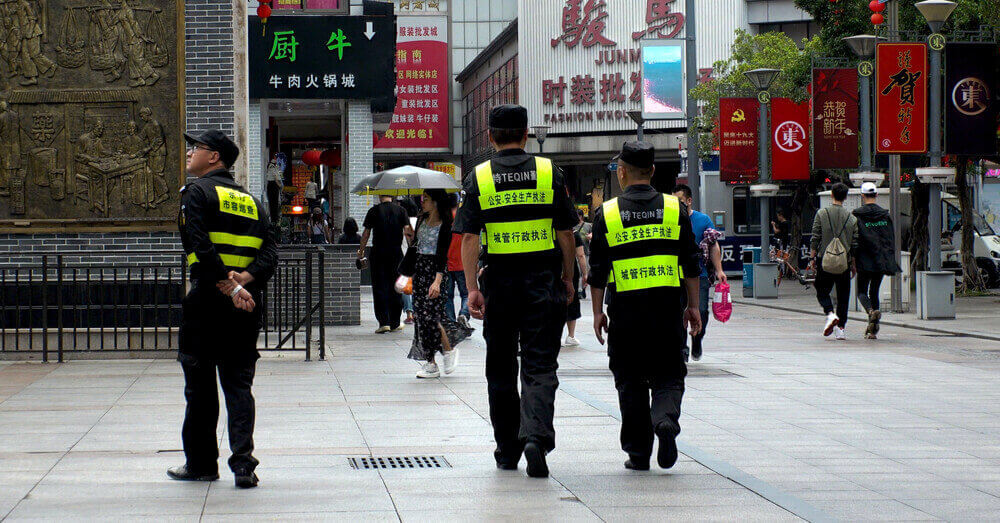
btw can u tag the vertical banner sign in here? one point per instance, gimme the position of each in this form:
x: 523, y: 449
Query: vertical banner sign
x: 789, y: 140
x: 901, y: 98
x: 835, y: 120
x: 421, y: 118
x: 738, y: 120
x: 970, y: 98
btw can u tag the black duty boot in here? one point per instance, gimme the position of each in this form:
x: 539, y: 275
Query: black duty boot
x: 666, y: 455
x: 535, y: 456
x: 637, y: 463
x: 246, y: 479
x: 182, y: 473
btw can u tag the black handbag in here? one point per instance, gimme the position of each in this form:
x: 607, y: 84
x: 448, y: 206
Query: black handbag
x: 409, y: 264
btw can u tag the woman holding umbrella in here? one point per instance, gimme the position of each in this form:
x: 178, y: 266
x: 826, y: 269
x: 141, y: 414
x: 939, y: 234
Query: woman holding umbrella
x: 434, y: 332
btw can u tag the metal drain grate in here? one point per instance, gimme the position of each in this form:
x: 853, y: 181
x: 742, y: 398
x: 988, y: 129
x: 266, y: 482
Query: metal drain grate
x: 398, y: 462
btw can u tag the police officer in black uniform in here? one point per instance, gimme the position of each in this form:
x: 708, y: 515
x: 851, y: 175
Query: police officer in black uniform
x: 231, y: 253
x: 520, y: 201
x: 641, y: 251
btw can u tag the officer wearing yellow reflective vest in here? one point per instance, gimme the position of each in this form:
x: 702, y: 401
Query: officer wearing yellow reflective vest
x: 231, y: 255
x: 642, y: 249
x: 521, y: 203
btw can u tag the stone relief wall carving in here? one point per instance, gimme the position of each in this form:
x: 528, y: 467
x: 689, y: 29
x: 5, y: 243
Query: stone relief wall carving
x: 90, y: 110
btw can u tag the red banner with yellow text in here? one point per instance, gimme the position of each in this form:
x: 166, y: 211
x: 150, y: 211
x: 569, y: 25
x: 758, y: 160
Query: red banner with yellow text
x: 901, y: 98
x: 738, y: 153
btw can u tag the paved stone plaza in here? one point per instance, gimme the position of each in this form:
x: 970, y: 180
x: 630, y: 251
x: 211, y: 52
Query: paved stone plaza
x: 779, y: 424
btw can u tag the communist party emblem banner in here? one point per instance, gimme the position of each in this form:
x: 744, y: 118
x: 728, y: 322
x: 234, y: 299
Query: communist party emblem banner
x: 835, y: 118
x: 901, y: 98
x: 738, y: 118
x: 790, y: 140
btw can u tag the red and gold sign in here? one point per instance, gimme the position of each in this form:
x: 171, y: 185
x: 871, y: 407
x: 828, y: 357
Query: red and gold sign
x: 738, y: 153
x: 901, y: 98
x: 835, y: 118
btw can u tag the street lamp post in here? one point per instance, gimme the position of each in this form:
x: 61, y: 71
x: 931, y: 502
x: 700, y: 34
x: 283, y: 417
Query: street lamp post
x: 636, y: 117
x: 541, y: 133
x: 936, y: 12
x: 864, y: 47
x: 762, y: 80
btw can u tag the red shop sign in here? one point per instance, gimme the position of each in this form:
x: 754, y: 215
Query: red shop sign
x: 901, y: 98
x: 835, y: 118
x: 789, y: 140
x: 738, y: 153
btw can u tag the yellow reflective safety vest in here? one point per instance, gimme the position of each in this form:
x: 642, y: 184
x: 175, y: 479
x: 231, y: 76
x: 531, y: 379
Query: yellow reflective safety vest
x: 517, y: 237
x: 645, y: 272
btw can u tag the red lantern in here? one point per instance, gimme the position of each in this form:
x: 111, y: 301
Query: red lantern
x: 877, y: 19
x: 331, y: 158
x: 876, y: 6
x: 263, y: 12
x: 312, y: 158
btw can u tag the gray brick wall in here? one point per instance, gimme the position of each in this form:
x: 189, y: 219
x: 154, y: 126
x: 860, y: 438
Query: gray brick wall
x: 208, y: 32
x: 359, y: 155
x: 16, y: 249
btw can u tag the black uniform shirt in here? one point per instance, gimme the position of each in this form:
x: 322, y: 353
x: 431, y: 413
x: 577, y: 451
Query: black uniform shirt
x: 642, y: 198
x: 200, y: 215
x: 471, y: 219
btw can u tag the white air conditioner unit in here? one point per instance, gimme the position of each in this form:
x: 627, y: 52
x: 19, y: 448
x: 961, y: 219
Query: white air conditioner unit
x: 936, y: 174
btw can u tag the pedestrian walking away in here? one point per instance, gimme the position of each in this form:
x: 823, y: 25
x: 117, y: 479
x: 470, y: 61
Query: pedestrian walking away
x: 642, y: 249
x: 701, y: 227
x: 434, y: 332
x: 522, y: 204
x: 875, y: 255
x: 386, y: 224
x: 231, y: 253
x: 834, y: 239
x: 456, y: 279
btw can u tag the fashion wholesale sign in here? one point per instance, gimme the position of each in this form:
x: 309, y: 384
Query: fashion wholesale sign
x: 970, y: 98
x: 835, y: 121
x: 789, y: 140
x: 421, y: 118
x: 901, y: 98
x: 738, y: 151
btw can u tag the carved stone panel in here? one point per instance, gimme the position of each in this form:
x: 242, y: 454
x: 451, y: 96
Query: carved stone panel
x: 91, y: 112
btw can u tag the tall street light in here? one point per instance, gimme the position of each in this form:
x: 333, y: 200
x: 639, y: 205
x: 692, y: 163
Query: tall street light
x: 762, y: 80
x: 864, y: 47
x: 636, y: 117
x: 541, y: 133
x: 936, y: 12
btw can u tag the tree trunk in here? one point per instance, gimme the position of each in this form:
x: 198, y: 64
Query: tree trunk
x: 972, y: 280
x: 919, y: 209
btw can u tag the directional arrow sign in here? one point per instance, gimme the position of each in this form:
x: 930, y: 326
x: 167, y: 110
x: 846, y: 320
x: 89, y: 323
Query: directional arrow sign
x: 370, y: 33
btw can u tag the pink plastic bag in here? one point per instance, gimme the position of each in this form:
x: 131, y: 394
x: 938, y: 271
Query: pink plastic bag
x: 722, y: 305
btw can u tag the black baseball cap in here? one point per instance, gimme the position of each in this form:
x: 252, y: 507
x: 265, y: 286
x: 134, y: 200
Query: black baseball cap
x: 217, y: 141
x: 509, y: 116
x: 637, y: 154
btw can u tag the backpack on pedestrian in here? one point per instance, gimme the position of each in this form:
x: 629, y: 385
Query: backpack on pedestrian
x: 835, y: 254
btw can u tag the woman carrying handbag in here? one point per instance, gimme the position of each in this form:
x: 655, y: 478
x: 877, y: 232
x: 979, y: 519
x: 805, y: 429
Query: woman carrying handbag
x: 426, y: 261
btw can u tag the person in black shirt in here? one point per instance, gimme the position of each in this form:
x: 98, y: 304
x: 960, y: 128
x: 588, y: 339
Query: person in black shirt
x: 232, y: 254
x: 350, y: 235
x: 643, y: 251
x: 385, y: 224
x: 521, y: 203
x: 781, y: 228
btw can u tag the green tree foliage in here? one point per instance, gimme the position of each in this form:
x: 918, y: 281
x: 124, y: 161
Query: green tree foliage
x: 840, y: 18
x: 768, y: 50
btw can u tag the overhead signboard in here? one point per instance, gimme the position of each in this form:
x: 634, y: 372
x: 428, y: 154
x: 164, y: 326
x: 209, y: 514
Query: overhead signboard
x: 664, y: 80
x: 300, y: 57
x: 738, y: 151
x: 421, y: 120
x: 789, y: 140
x: 901, y: 98
x: 970, y: 99
x: 835, y: 118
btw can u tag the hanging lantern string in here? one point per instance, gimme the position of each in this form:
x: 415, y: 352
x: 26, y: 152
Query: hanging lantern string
x: 264, y: 12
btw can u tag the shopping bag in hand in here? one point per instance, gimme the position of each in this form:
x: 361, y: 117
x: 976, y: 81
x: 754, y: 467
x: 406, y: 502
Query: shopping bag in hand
x: 404, y: 285
x: 722, y: 305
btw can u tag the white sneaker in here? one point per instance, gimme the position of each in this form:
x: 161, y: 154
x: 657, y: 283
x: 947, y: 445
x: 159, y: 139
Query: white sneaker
x: 429, y: 370
x: 831, y: 322
x: 571, y: 342
x: 839, y: 333
x: 450, y: 361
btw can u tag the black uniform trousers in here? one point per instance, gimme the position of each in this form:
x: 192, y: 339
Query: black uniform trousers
x: 388, y: 303
x: 525, y: 312
x: 649, y: 376
x: 216, y: 338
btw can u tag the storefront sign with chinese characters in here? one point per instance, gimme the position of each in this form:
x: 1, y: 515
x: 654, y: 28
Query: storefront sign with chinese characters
x: 789, y: 140
x: 421, y: 118
x: 835, y: 118
x: 416, y: 7
x: 901, y: 98
x: 296, y: 57
x: 287, y: 4
x: 970, y: 99
x: 580, y: 61
x: 445, y: 167
x: 738, y: 152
